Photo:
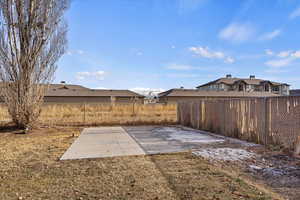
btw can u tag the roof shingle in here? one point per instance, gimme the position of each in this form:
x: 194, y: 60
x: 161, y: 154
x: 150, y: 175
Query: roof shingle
x: 90, y: 93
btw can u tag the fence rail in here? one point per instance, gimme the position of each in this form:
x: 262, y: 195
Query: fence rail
x: 272, y: 120
x: 104, y: 113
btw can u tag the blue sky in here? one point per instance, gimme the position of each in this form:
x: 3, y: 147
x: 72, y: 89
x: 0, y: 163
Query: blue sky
x: 163, y: 44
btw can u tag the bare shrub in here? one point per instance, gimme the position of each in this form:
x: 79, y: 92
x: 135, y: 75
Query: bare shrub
x: 32, y: 39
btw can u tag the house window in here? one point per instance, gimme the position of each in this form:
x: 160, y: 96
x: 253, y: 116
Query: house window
x: 275, y: 89
x: 241, y: 88
x: 267, y: 88
x: 221, y: 87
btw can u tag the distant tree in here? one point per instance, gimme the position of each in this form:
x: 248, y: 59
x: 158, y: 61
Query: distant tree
x: 32, y: 39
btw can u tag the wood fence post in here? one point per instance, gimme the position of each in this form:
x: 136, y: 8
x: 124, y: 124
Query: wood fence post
x: 84, y: 113
x: 266, y: 121
x: 133, y: 108
x: 224, y: 117
x: 178, y: 112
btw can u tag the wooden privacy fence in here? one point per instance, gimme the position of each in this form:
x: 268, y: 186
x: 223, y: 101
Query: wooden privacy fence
x: 272, y: 120
x: 105, y: 113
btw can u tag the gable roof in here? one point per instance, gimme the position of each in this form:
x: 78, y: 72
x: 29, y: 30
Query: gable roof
x: 231, y: 81
x: 201, y: 93
x: 67, y: 86
x: 228, y: 81
x: 66, y: 90
x: 90, y: 93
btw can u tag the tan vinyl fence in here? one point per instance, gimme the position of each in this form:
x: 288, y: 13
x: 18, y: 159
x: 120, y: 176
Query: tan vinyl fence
x: 273, y: 120
x: 104, y: 114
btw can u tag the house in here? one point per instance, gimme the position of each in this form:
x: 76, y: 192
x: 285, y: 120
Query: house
x: 295, y: 92
x: 250, y: 84
x: 67, y: 93
x: 63, y: 93
x: 175, y: 95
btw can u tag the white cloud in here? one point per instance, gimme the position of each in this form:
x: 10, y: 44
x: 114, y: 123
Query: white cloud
x: 205, y: 52
x: 139, y: 53
x: 270, y: 35
x: 269, y: 52
x: 295, y: 13
x: 80, y: 52
x: 296, y: 54
x: 147, y: 91
x: 284, y: 54
x: 99, y: 75
x: 173, y: 47
x: 229, y: 60
x: 286, y: 58
x: 179, y: 67
x: 237, y: 32
x: 279, y: 62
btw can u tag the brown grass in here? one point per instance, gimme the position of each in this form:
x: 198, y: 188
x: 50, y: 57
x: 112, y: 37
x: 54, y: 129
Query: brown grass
x: 30, y: 169
x: 95, y: 114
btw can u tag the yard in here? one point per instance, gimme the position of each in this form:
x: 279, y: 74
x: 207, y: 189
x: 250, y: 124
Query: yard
x: 30, y: 169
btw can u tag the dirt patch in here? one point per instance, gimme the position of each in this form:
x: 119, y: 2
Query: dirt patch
x: 30, y: 169
x: 280, y: 171
x: 276, y: 169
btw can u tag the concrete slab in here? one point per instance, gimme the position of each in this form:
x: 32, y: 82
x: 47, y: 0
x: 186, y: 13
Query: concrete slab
x: 136, y: 140
x: 103, y: 142
x: 160, y: 139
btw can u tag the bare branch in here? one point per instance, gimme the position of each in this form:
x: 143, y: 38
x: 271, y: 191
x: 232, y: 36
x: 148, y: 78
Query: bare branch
x: 32, y: 39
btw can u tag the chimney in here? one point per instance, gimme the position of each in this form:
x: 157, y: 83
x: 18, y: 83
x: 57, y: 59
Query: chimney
x: 228, y: 76
x: 252, y: 76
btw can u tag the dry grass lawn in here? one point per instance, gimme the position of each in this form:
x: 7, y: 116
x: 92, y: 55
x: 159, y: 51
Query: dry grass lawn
x: 30, y: 170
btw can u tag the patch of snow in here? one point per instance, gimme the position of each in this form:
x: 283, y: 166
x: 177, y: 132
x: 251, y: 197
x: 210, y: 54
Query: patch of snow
x: 188, y: 136
x: 225, y: 154
x: 254, y: 167
x: 231, y: 140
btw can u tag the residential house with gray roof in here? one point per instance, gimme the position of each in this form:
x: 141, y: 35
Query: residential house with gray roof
x: 68, y: 93
x: 250, y: 84
x: 64, y: 93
